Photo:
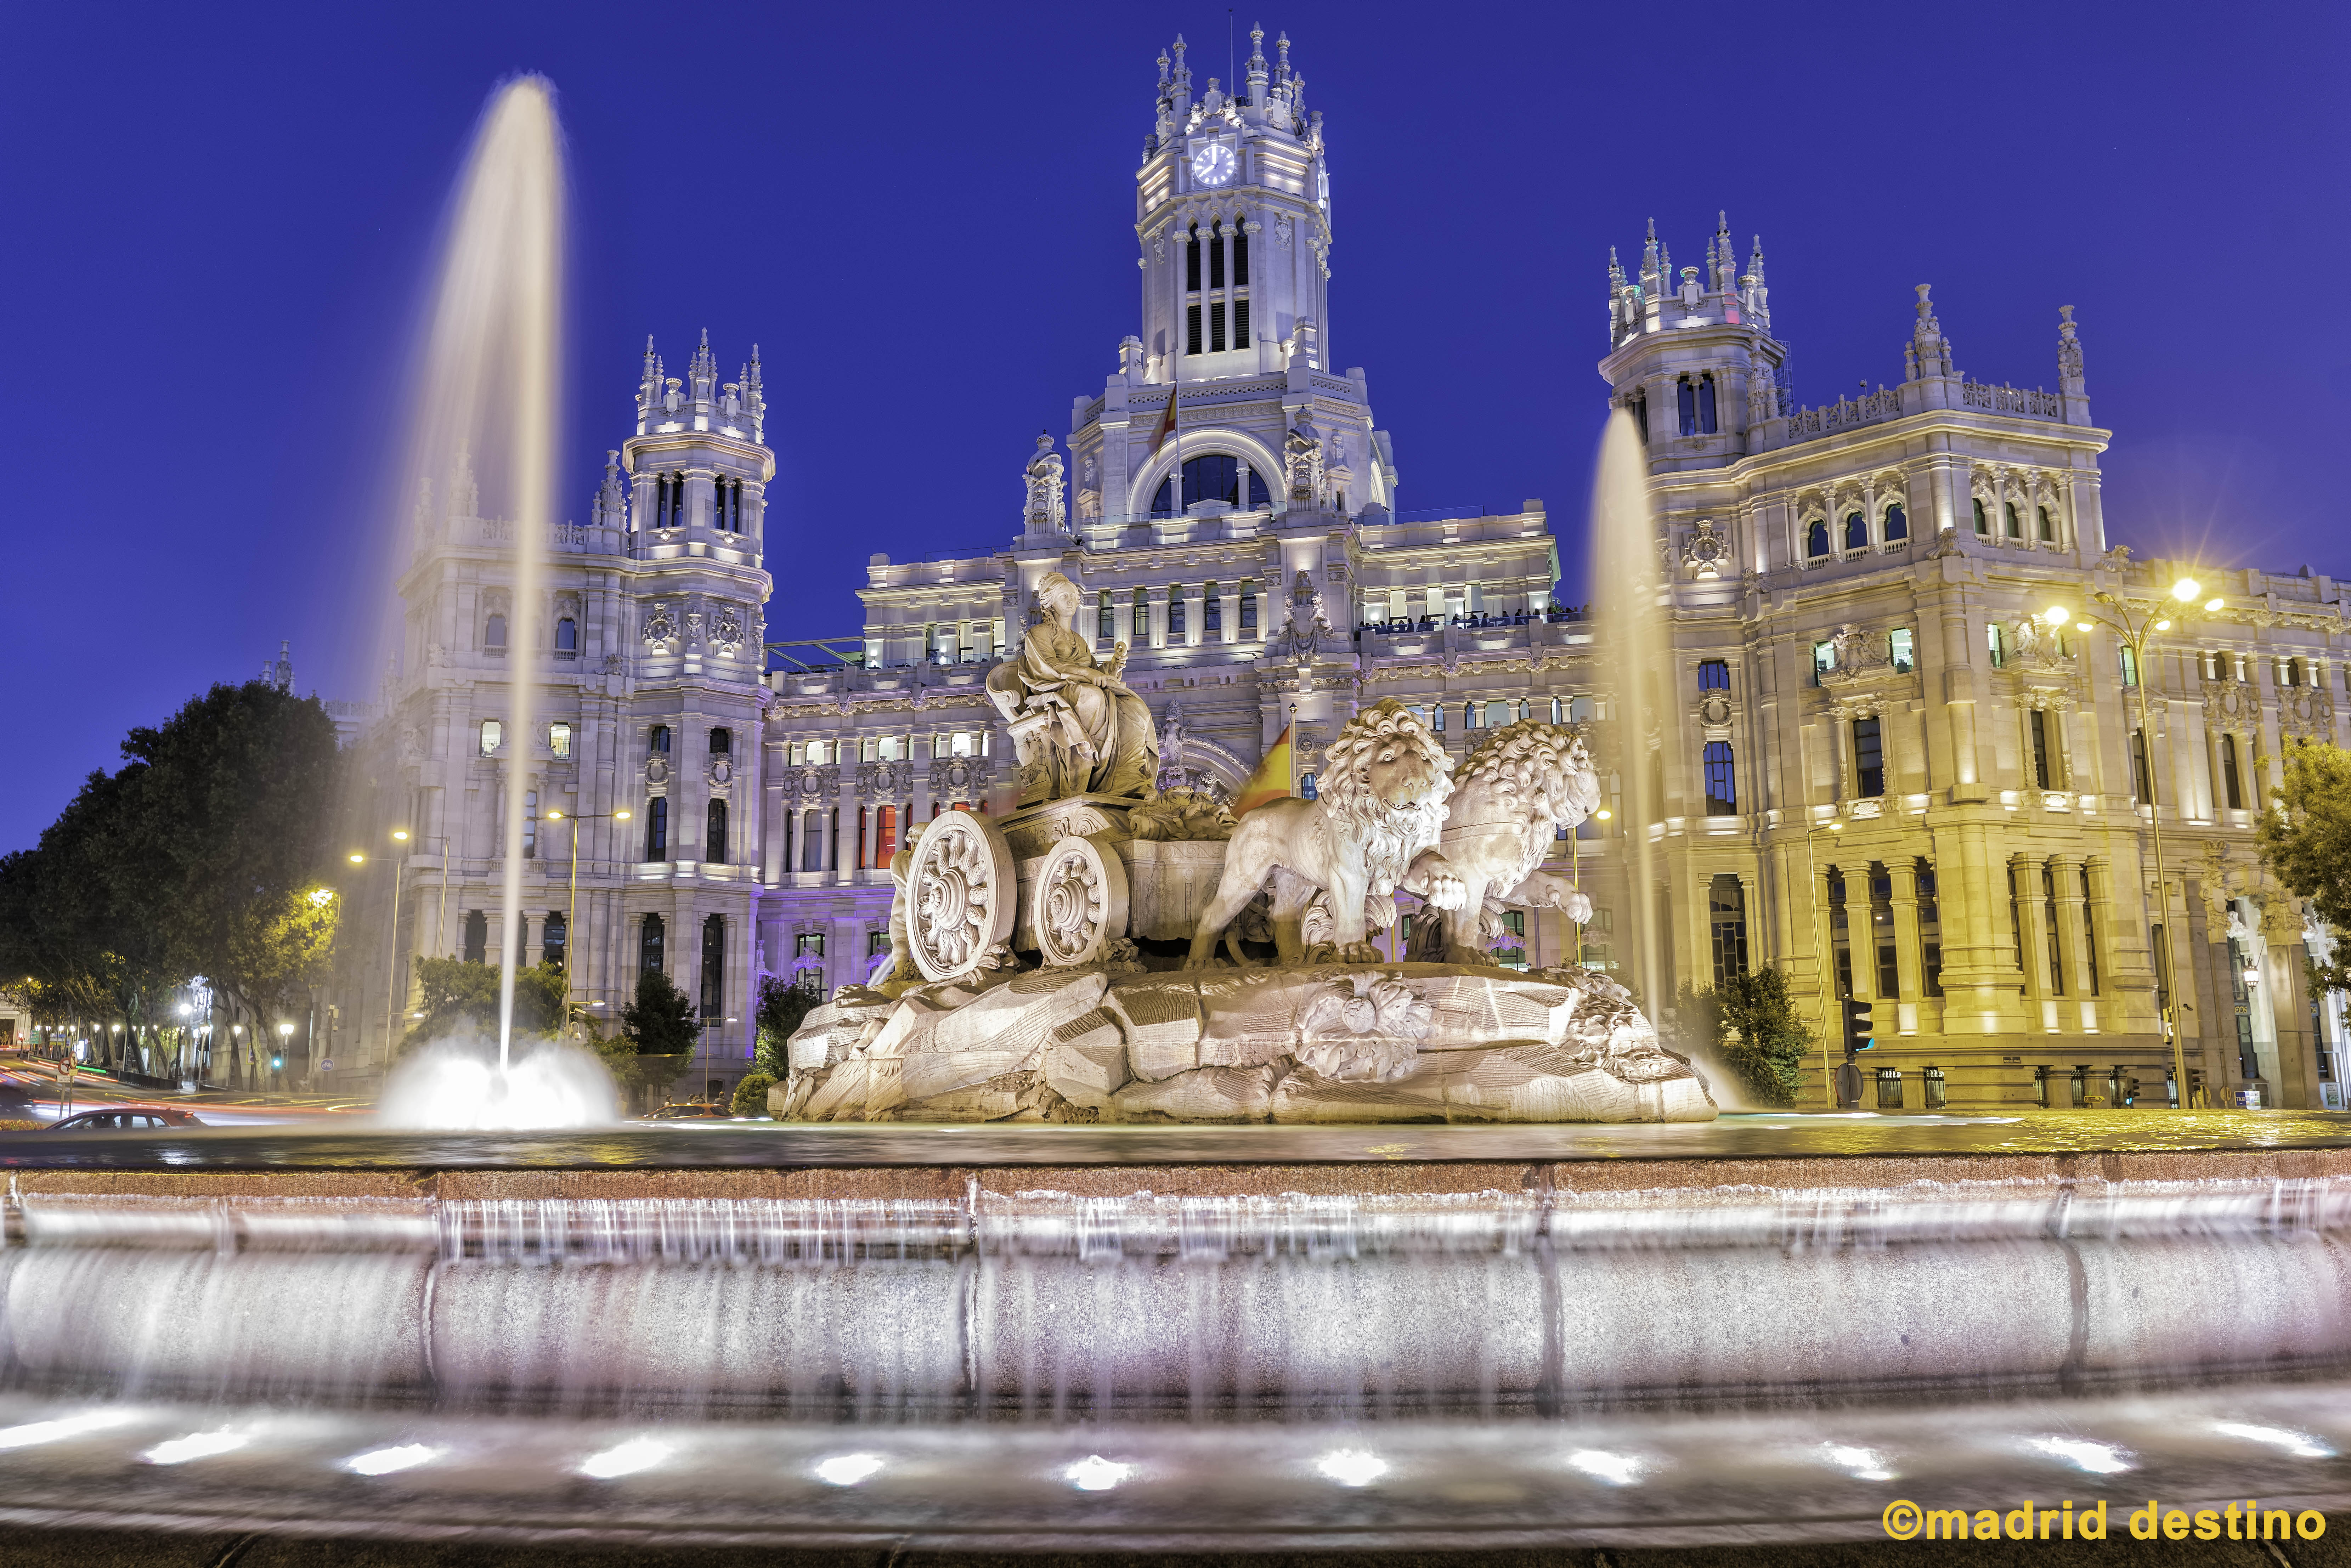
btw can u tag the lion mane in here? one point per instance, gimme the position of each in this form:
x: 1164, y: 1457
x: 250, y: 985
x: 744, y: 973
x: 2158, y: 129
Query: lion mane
x: 1389, y: 836
x: 1532, y: 762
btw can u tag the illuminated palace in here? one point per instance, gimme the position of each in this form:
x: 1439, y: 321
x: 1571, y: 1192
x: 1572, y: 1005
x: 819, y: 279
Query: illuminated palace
x: 1886, y: 769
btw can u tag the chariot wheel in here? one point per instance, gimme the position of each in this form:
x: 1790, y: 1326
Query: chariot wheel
x: 1079, y: 900
x: 961, y: 894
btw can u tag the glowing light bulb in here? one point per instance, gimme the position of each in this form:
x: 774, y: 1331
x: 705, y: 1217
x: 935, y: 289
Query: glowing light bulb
x: 2212, y: 605
x: 2186, y: 590
x: 2057, y: 615
x: 1095, y: 1473
x: 2163, y: 625
x: 848, y: 1469
x: 1351, y: 1467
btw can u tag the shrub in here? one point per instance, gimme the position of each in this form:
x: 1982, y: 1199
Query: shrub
x: 1750, y: 1026
x: 661, y: 1020
x: 783, y: 1008
x: 751, y: 1095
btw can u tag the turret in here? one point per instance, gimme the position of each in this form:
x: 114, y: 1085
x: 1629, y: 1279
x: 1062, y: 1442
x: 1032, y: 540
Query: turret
x: 1692, y: 355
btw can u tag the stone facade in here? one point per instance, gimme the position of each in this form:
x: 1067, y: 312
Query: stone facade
x: 1854, y: 588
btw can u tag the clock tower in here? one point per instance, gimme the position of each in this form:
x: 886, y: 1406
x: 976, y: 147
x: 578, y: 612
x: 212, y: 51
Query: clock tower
x: 1232, y: 215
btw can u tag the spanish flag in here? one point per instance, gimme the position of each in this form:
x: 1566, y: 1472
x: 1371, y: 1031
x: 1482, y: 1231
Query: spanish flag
x: 1167, y: 419
x: 1272, y: 779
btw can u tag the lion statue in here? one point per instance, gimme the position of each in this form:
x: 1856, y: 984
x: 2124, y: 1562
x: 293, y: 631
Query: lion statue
x: 1373, y: 830
x: 1511, y: 797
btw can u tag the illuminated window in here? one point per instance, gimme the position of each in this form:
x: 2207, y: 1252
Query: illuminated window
x: 493, y: 733
x: 1903, y: 646
x: 559, y: 740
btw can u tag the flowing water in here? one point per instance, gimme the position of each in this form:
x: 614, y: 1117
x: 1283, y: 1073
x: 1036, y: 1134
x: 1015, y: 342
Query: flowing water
x: 1624, y: 587
x: 1291, y: 1364
x: 486, y: 396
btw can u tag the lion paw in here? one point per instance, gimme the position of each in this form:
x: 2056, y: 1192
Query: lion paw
x: 1361, y: 953
x: 1445, y: 889
x: 1579, y: 907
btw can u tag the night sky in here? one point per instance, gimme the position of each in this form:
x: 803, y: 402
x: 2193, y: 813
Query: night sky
x: 220, y: 219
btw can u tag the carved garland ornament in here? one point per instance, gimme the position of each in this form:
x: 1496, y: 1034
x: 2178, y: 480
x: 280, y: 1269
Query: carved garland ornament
x: 963, y: 894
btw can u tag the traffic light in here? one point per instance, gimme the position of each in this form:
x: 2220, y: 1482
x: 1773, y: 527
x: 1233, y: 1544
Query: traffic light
x: 1860, y: 1034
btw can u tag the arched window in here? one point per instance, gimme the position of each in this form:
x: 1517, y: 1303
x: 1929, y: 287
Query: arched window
x: 1686, y: 403
x: 2048, y: 525
x: 1192, y: 264
x: 657, y: 827
x: 1706, y: 405
x: 721, y: 743
x: 1721, y: 785
x: 494, y: 634
x: 566, y: 638
x: 1175, y: 610
x: 713, y: 970
x: 713, y: 848
x: 1897, y: 523
x: 2015, y: 528
x: 1982, y: 526
x: 1558, y: 711
x: 657, y: 740
x: 551, y: 940
x: 650, y: 958
x: 1857, y: 532
x: 1212, y: 477
x: 1816, y: 539
x: 477, y: 936
x: 1437, y: 719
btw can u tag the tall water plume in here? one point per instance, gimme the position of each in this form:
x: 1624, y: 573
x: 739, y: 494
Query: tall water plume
x: 1625, y: 583
x: 486, y: 396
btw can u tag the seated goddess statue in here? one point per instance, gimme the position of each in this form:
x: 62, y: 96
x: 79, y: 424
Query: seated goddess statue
x: 1075, y: 729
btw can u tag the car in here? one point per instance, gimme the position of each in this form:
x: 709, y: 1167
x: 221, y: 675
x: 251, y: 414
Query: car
x: 126, y: 1118
x: 691, y: 1111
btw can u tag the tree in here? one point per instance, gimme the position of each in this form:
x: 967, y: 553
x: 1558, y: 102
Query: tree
x: 783, y: 1007
x: 2304, y: 841
x: 751, y: 1095
x: 459, y: 998
x: 661, y: 1020
x: 1750, y: 1026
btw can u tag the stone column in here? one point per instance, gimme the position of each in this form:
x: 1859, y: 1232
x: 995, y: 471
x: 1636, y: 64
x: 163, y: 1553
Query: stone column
x: 2072, y: 928
x: 2032, y: 927
x: 1907, y: 963
x: 843, y: 866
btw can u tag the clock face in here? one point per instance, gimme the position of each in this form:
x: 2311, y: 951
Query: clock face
x: 1212, y: 164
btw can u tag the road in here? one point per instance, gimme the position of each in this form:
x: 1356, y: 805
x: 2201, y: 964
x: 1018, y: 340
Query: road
x: 33, y: 1089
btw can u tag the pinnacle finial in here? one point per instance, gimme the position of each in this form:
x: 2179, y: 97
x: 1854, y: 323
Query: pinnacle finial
x: 1926, y: 307
x: 1722, y: 221
x: 1653, y: 228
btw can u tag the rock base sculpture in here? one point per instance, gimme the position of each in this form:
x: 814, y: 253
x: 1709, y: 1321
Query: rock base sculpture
x: 1316, y: 1043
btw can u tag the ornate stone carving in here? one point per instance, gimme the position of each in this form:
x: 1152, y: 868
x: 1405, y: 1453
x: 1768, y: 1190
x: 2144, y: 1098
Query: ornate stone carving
x: 960, y: 778
x: 693, y: 638
x: 1046, y: 514
x: 1704, y: 551
x: 1946, y: 545
x: 811, y: 785
x: 2033, y: 647
x: 726, y: 632
x: 1079, y: 901
x: 660, y: 631
x: 960, y: 894
x: 1510, y: 797
x: 1306, y: 627
x: 2237, y: 702
x: 2306, y: 711
x: 886, y: 780
x: 1372, y: 831
x: 1281, y: 230
x: 1301, y: 454
x: 1076, y: 728
x: 1181, y: 815
x: 1363, y: 1029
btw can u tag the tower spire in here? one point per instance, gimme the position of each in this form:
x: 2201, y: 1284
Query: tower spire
x: 1257, y: 76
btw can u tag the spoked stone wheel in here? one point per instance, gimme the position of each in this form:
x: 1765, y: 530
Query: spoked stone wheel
x: 963, y: 892
x: 1080, y: 900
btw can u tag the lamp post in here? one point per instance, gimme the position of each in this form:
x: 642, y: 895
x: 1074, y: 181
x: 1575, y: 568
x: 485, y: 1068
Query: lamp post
x: 285, y: 1042
x: 2135, y: 622
x: 571, y: 909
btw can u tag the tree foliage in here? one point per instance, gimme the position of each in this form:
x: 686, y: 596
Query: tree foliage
x: 1751, y: 1027
x: 199, y: 856
x: 661, y: 1020
x: 460, y: 999
x: 783, y: 1007
x: 751, y: 1095
x: 2304, y: 841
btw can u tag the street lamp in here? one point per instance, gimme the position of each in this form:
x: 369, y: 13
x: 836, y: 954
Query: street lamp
x: 572, y: 910
x: 285, y: 1043
x: 2136, y: 621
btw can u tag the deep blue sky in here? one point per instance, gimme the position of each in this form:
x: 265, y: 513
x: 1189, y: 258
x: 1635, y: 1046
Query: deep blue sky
x: 218, y: 219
